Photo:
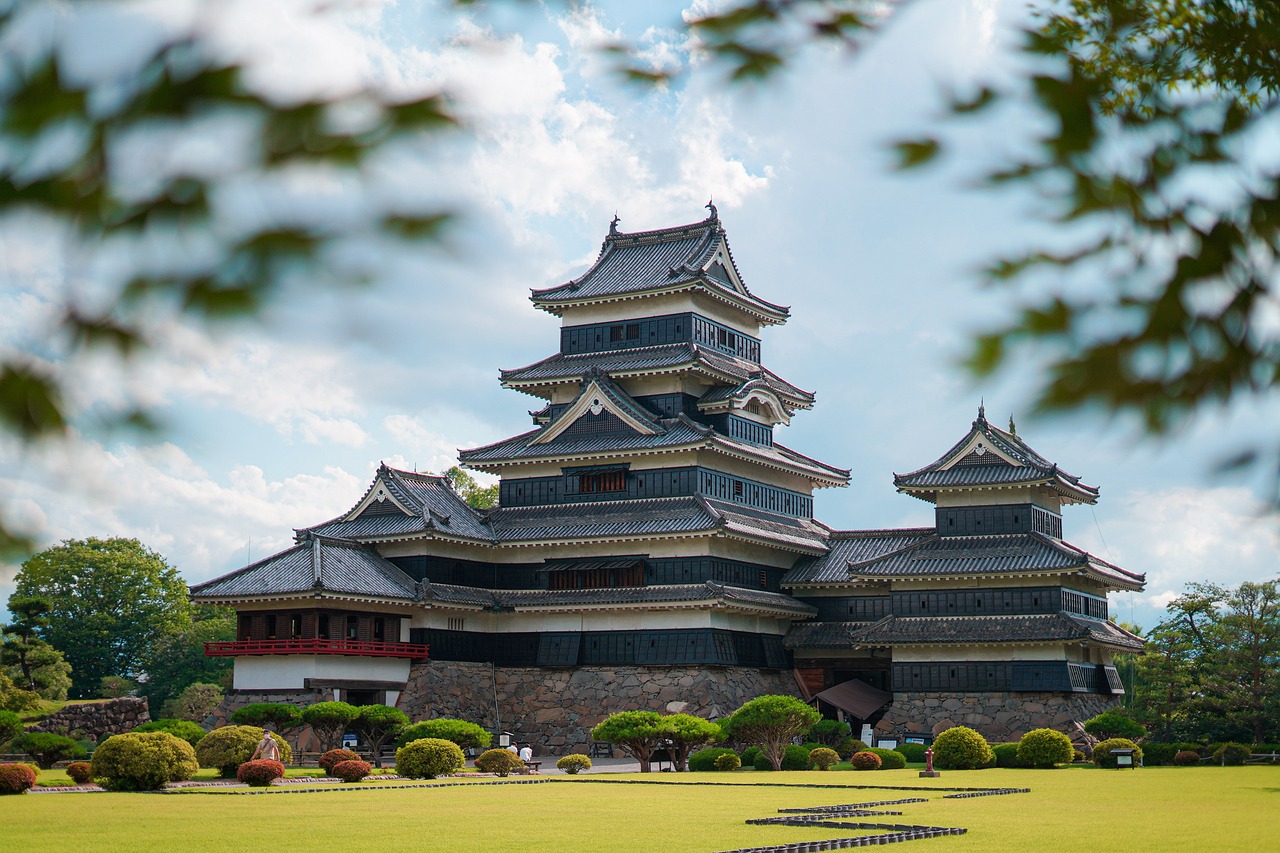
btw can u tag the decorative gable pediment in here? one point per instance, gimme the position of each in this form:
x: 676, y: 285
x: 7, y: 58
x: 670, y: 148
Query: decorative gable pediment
x: 979, y: 450
x: 379, y: 501
x: 598, y: 399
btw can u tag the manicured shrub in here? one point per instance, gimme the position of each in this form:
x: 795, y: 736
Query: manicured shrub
x: 328, y: 759
x: 865, y: 761
x: 961, y: 748
x: 913, y: 752
x: 848, y: 746
x: 282, y: 715
x: 1155, y: 754
x: 1187, y: 758
x: 1113, y: 724
x: 466, y: 735
x: 230, y: 746
x: 260, y: 772
x: 1078, y: 757
x: 810, y: 746
x: 575, y: 763
x: 11, y: 726
x: 727, y: 762
x: 17, y: 778
x: 823, y: 758
x: 80, y: 772
x: 890, y: 759
x: 351, y: 771
x: 1232, y: 754
x: 828, y: 732
x: 428, y: 758
x: 142, y: 761
x: 328, y: 721
x: 1045, y: 749
x: 761, y: 761
x: 1007, y: 755
x: 1102, y: 752
x: 704, y: 760
x: 795, y: 758
x: 47, y: 748
x: 501, y: 761
x: 749, y: 756
x: 191, y: 732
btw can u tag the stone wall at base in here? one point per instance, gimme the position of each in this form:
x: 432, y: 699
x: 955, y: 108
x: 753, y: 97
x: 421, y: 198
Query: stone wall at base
x: 999, y: 717
x: 554, y: 709
x: 97, y: 720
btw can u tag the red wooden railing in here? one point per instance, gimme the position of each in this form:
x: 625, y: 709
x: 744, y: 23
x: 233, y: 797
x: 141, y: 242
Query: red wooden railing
x: 316, y: 646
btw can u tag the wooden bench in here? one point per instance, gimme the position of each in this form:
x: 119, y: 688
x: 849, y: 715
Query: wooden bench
x: 532, y: 766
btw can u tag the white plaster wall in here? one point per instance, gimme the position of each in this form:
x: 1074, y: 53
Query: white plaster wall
x: 653, y: 306
x: 287, y: 672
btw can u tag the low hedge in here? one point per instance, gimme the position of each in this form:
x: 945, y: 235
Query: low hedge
x: 260, y: 772
x: 704, y: 760
x: 1231, y: 754
x: 1187, y: 758
x: 890, y: 759
x: 352, y: 770
x: 795, y: 758
x: 1157, y: 754
x: 575, y: 763
x: 1102, y: 752
x: 749, y: 756
x: 17, y: 778
x: 191, y: 732
x: 913, y: 752
x: 1007, y: 755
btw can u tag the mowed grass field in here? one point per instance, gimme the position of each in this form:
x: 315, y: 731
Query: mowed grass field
x: 1072, y: 809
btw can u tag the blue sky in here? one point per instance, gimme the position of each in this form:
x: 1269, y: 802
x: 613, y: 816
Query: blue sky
x: 281, y: 425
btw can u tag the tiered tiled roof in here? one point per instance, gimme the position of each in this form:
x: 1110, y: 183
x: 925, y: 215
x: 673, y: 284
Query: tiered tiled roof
x: 433, y: 509
x: 961, y: 630
x: 674, y: 595
x: 318, y: 564
x: 853, y: 546
x: 683, y: 357
x: 654, y: 517
x: 988, y: 456
x: 679, y: 433
x: 683, y: 258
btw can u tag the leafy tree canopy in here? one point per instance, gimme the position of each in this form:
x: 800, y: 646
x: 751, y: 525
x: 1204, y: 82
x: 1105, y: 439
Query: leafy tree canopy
x: 32, y: 663
x: 113, y: 601
x: 771, y: 722
x: 178, y: 660
x: 480, y: 497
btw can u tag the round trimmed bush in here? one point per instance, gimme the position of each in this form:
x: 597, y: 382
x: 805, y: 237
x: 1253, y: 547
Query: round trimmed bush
x: 17, y: 778
x: 466, y: 735
x: 1187, y: 758
x: 761, y: 762
x: 260, y: 772
x: 1112, y: 724
x: 143, y: 761
x: 1007, y: 755
x: 890, y: 759
x: 823, y: 758
x: 704, y: 760
x: 849, y: 745
x: 1045, y: 749
x: 328, y: 759
x: 230, y: 746
x: 913, y: 752
x: 80, y: 772
x: 1102, y: 752
x: 574, y: 763
x: 352, y: 770
x: 795, y: 758
x: 501, y: 761
x: 749, y: 756
x: 1232, y: 754
x: 191, y: 732
x: 961, y: 748
x: 728, y: 762
x: 428, y: 758
x: 865, y: 761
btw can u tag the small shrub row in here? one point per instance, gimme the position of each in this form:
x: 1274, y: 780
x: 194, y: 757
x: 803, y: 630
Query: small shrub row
x: 17, y: 778
x: 704, y: 760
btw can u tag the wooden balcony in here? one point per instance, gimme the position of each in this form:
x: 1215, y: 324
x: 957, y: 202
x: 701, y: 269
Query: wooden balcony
x: 316, y: 646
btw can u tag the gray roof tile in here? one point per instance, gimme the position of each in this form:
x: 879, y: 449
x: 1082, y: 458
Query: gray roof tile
x: 344, y: 567
x: 709, y: 592
x: 437, y: 510
x: 853, y: 546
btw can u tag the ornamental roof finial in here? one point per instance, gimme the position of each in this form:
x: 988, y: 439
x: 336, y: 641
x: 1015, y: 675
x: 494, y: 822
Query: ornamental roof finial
x: 1013, y: 429
x: 982, y: 410
x: 711, y: 206
x: 613, y: 226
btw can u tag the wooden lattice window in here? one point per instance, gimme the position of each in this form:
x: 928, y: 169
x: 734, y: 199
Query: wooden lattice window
x: 602, y: 481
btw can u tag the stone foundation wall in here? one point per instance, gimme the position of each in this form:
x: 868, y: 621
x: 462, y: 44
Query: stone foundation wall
x: 97, y: 720
x: 999, y: 717
x: 554, y: 709
x: 301, y: 741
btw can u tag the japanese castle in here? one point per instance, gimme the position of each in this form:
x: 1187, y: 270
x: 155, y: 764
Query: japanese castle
x: 654, y: 547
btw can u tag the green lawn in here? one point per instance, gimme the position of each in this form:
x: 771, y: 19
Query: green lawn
x: 1084, y: 809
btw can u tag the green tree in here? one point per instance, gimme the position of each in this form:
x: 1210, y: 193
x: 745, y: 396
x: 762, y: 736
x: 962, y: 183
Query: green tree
x: 329, y: 720
x: 685, y: 733
x: 771, y: 722
x: 47, y: 748
x: 194, y: 704
x: 178, y: 660
x: 478, y: 496
x: 113, y: 601
x: 378, y: 724
x: 1240, y: 674
x: 466, y: 735
x: 32, y: 663
x: 1164, y: 682
x: 637, y: 733
x: 115, y: 687
x: 13, y: 698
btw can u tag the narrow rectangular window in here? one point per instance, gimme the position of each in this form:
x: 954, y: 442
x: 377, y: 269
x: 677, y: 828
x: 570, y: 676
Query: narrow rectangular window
x: 352, y: 627
x: 379, y: 628
x: 271, y: 626
x: 295, y: 625
x: 633, y: 331
x: 322, y: 626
